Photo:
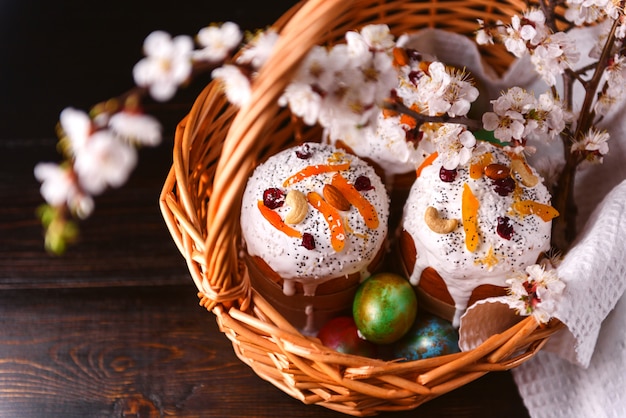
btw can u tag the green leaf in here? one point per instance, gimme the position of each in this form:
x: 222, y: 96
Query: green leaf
x: 488, y: 136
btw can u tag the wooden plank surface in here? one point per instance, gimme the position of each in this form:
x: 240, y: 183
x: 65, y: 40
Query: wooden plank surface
x: 151, y: 352
x: 113, y: 328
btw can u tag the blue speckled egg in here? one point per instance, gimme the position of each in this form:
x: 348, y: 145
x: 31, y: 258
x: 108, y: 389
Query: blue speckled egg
x: 430, y: 336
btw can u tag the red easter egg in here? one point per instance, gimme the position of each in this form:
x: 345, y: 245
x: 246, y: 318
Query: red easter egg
x: 341, y: 334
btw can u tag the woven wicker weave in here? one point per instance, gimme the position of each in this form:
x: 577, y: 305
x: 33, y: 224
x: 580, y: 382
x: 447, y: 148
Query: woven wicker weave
x: 215, y: 149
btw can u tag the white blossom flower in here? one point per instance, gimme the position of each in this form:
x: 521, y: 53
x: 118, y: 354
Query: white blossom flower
x: 508, y: 120
x: 358, y: 49
x: 341, y: 87
x: 217, y: 41
x: 483, y: 36
x: 516, y: 99
x: 432, y: 88
x: 607, y: 100
x: 620, y: 32
x: 454, y: 145
x: 338, y: 66
x: 236, y: 85
x: 314, y: 69
x: 595, y: 143
x: 550, y: 118
x: 524, y: 32
x: 59, y: 188
x: 486, y: 35
x: 378, y: 37
x: 77, y: 127
x: 582, y: 12
x: 136, y: 128
x: 378, y: 75
x: 555, y: 54
x: 257, y: 52
x: 616, y: 73
x: 166, y: 66
x: 371, y: 39
x: 535, y: 292
x: 615, y: 76
x: 505, y: 127
x: 104, y: 161
x: 460, y: 93
x: 303, y: 101
x: 536, y: 19
x: 518, y: 115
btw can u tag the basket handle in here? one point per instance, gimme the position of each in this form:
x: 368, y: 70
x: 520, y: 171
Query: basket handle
x: 246, y: 138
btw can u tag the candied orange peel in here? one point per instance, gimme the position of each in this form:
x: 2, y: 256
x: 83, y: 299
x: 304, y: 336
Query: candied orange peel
x: 313, y: 170
x: 427, y: 161
x: 469, y: 213
x: 333, y: 219
x: 477, y: 167
x: 530, y: 207
x: 277, y: 222
x: 352, y: 195
x: 400, y: 57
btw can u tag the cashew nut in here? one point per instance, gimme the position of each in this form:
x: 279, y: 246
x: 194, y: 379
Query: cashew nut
x: 299, y: 207
x: 438, y: 224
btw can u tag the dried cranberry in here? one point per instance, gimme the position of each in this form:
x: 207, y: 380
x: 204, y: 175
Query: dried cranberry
x: 414, y: 76
x: 273, y: 198
x: 504, y: 228
x: 304, y: 152
x: 414, y: 136
x: 413, y: 54
x: 363, y: 183
x: 447, y: 175
x: 308, y: 241
x: 504, y: 186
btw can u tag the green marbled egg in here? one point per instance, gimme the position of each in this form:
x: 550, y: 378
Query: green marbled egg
x: 384, y: 308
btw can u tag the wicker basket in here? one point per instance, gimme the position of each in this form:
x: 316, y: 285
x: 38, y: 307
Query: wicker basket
x: 216, y: 147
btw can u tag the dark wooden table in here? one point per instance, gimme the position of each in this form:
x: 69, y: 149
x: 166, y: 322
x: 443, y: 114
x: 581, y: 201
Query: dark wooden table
x: 113, y: 328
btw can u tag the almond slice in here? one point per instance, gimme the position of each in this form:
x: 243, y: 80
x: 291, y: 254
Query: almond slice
x: 497, y: 171
x: 352, y: 195
x: 334, y: 198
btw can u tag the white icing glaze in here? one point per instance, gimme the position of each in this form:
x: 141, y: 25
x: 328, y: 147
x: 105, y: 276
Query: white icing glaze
x: 309, y: 328
x: 285, y: 254
x: 461, y: 269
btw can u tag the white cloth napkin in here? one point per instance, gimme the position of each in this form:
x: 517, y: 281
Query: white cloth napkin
x: 568, y: 378
x: 581, y: 372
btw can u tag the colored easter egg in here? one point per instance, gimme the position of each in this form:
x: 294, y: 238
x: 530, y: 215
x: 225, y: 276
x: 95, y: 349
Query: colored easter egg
x: 430, y: 336
x: 384, y: 308
x: 341, y: 334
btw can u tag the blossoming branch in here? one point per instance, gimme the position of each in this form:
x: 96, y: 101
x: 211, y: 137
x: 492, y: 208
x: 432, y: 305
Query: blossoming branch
x: 100, y: 147
x: 345, y: 88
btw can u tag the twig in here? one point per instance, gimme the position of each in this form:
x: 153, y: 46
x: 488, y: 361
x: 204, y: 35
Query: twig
x: 420, y: 118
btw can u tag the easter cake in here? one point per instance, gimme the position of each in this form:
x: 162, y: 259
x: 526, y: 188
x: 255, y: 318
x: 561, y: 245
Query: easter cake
x: 464, y: 231
x: 314, y: 225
